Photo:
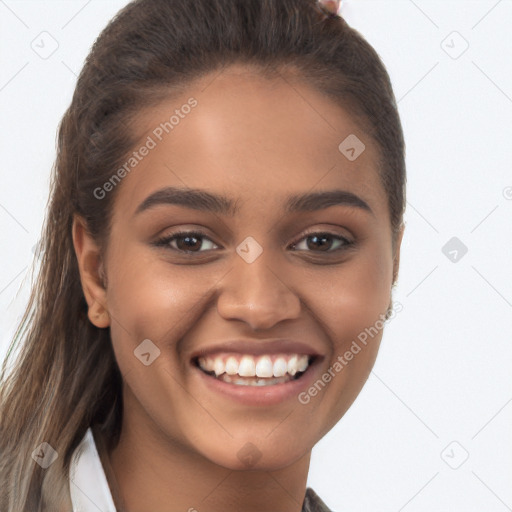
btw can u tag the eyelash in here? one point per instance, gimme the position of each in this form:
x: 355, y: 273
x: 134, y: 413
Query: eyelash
x: 166, y: 240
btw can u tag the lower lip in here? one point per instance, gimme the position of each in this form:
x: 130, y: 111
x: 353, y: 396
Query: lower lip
x: 261, y: 395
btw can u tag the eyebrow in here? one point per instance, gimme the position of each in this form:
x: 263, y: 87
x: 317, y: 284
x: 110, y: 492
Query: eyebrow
x: 198, y: 199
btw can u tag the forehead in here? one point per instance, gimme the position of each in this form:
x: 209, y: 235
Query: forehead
x: 254, y: 139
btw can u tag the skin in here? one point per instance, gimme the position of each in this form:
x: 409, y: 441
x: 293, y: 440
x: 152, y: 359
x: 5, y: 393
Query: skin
x: 255, y: 141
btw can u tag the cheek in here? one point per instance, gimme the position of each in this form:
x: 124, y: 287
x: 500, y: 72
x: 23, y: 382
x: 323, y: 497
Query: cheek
x: 350, y: 304
x: 352, y: 297
x: 151, y: 299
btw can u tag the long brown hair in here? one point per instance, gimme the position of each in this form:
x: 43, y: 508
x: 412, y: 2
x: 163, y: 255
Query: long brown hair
x: 65, y: 377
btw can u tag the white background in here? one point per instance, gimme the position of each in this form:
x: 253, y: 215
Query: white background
x: 443, y: 373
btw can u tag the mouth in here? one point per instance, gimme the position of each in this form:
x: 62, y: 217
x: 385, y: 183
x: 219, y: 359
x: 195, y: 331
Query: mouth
x: 255, y: 370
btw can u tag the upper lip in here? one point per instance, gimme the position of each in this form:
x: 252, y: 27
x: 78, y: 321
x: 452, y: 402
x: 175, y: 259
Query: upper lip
x: 258, y: 347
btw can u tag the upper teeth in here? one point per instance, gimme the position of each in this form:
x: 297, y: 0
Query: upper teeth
x: 254, y: 366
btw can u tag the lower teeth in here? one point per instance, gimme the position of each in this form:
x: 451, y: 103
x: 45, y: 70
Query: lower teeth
x: 254, y: 381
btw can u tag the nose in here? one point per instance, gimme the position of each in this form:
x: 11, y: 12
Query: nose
x: 258, y: 293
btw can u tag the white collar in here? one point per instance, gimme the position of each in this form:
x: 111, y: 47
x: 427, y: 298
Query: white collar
x: 87, y: 481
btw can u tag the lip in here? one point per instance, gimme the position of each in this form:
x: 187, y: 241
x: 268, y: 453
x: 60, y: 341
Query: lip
x: 259, y: 395
x: 259, y: 347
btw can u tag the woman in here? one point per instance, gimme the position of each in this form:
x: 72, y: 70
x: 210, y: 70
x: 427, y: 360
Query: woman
x: 224, y: 227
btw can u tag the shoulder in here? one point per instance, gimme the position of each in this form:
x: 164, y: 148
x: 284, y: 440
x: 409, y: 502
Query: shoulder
x: 313, y: 503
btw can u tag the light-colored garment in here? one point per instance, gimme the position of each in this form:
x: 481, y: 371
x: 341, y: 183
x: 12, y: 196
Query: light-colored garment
x: 88, y: 484
x: 90, y: 491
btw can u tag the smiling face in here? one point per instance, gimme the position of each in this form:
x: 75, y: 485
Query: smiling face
x: 290, y: 240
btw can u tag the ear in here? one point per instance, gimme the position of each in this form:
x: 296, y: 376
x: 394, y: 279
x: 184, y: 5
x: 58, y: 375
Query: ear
x: 396, y: 256
x: 91, y: 273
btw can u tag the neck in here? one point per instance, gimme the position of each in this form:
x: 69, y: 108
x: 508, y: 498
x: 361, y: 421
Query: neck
x: 144, y: 474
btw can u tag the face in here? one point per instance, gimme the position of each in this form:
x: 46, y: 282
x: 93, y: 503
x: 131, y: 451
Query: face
x: 278, y: 271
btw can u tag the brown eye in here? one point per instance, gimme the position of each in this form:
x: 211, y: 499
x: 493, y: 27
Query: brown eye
x: 323, y: 242
x: 186, y: 241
